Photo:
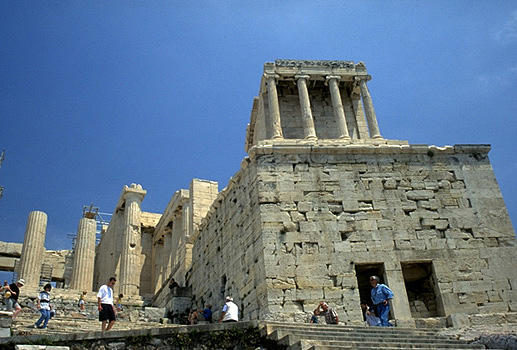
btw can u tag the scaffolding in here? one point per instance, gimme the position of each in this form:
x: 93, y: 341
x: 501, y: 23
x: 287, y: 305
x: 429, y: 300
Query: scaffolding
x: 101, y: 220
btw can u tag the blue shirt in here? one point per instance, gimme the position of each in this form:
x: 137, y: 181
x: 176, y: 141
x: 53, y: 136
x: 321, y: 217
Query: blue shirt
x: 380, y: 293
x: 207, y: 314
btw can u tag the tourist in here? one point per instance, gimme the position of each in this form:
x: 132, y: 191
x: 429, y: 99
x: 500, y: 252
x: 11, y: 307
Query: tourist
x: 4, y: 290
x: 230, y: 312
x: 119, y: 302
x: 314, y: 319
x: 173, y: 284
x: 331, y: 316
x: 201, y: 315
x: 12, y: 301
x: 381, y: 295
x: 82, y: 303
x: 44, y: 306
x: 4, y: 287
x: 369, y: 315
x: 105, y: 304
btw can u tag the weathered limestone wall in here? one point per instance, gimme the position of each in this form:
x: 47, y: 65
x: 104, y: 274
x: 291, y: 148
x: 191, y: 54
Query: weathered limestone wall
x: 329, y: 217
x: 227, y: 256
x: 325, y: 211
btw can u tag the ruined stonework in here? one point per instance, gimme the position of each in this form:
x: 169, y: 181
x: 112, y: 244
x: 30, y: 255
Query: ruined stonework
x: 321, y: 203
x: 312, y: 214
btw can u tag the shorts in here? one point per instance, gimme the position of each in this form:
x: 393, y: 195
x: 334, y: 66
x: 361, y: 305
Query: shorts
x: 107, y: 313
x: 10, y: 303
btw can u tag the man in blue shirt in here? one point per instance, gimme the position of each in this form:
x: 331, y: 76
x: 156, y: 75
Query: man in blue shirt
x: 201, y: 315
x: 381, y: 295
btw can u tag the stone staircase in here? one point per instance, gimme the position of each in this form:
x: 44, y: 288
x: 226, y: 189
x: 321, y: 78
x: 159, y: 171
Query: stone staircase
x: 329, y: 337
x: 289, y: 336
x: 71, y: 323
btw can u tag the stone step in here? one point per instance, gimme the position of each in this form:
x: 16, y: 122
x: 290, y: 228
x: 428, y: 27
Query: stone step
x: 358, y: 329
x: 290, y: 340
x: 71, y: 324
x: 352, y: 335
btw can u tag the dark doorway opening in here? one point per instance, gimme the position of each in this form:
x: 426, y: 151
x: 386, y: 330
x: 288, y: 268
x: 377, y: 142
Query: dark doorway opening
x: 363, y: 273
x: 421, y: 288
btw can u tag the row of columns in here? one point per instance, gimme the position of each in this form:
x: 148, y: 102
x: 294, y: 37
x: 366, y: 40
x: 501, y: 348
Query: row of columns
x: 33, y: 249
x: 307, y: 119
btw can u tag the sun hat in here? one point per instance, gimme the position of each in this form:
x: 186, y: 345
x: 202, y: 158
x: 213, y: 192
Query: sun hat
x: 229, y: 298
x: 21, y: 281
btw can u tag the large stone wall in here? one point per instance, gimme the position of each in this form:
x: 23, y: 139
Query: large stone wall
x: 326, y: 211
x: 299, y: 224
x: 227, y: 255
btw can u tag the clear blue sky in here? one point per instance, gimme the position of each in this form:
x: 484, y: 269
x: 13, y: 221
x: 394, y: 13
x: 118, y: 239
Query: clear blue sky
x: 95, y: 95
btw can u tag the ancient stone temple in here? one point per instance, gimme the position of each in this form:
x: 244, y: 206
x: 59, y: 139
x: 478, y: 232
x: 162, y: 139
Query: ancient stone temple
x: 321, y: 203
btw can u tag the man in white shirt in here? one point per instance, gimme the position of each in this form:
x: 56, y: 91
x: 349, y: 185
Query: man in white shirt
x: 230, y: 312
x: 105, y: 301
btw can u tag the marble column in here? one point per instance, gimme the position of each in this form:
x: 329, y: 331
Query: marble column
x: 368, y: 108
x: 337, y: 104
x: 274, y: 108
x: 33, y: 249
x: 130, y: 265
x: 84, y: 256
x: 309, y: 132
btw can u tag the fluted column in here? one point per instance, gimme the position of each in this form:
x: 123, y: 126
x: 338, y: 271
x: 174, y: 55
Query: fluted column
x: 33, y: 248
x: 337, y: 104
x: 130, y: 266
x: 305, y: 105
x: 274, y: 108
x: 368, y: 108
x: 84, y: 255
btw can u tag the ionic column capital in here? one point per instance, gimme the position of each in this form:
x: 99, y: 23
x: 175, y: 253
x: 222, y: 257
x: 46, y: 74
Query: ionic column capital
x: 270, y: 76
x: 330, y: 77
x: 364, y: 78
x: 302, y: 76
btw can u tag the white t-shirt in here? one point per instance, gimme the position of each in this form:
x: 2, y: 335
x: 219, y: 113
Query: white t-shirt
x: 44, y: 300
x: 106, y: 295
x: 231, y: 311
